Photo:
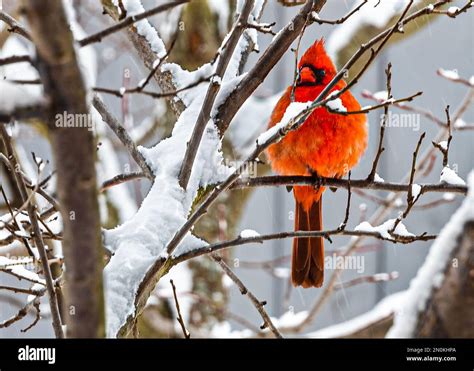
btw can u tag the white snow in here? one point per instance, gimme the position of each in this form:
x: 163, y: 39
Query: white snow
x: 281, y: 272
x: 449, y: 196
x: 17, y: 267
x: 216, y: 80
x: 398, y: 202
x: 336, y: 104
x: 37, y: 288
x: 140, y: 241
x: 9, y: 262
x: 431, y: 274
x: 459, y: 123
x: 252, y: 119
x: 144, y: 28
x: 224, y: 330
x: 289, y: 319
x: 183, y: 78
x: 248, y: 233
x: 17, y: 96
x: 156, y: 63
x: 378, y: 178
x: 227, y: 281
x: 383, y: 309
x: 449, y: 74
x: 444, y: 145
x: 384, y: 229
x: 381, y: 95
x: 415, y: 191
x: 449, y: 176
x: 293, y: 110
x: 453, y: 10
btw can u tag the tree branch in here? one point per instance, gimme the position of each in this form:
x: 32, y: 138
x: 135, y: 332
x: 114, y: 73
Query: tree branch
x: 245, y: 291
x: 53, y: 302
x: 211, y: 94
x: 123, y: 135
x: 129, y: 21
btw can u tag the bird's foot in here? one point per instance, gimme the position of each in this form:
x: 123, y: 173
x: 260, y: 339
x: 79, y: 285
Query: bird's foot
x: 318, y: 181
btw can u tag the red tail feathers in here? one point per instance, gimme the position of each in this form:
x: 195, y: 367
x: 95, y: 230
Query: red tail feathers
x: 307, y: 267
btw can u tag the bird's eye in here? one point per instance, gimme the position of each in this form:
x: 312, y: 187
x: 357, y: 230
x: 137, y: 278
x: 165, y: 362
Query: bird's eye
x: 319, y: 74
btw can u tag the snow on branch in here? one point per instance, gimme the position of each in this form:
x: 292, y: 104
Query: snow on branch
x: 434, y: 271
x: 373, y: 323
x: 188, y: 172
x: 136, y: 16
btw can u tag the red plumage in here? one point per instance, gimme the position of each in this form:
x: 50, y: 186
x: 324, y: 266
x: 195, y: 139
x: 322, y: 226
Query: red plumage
x: 327, y: 144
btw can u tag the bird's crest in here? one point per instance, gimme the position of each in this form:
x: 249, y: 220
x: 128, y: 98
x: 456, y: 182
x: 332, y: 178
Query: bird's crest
x: 317, y: 57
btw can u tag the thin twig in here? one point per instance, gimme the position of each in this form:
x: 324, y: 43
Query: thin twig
x: 129, y: 21
x: 342, y: 19
x: 15, y: 59
x: 119, y: 179
x: 123, y: 135
x: 259, y: 305
x: 239, y: 241
x: 57, y: 326
x: 15, y: 26
x: 179, y: 318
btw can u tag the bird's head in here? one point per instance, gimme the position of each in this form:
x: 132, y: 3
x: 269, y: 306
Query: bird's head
x: 315, y: 67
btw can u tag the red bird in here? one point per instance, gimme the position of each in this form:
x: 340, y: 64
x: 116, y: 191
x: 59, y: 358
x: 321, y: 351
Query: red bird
x: 327, y: 144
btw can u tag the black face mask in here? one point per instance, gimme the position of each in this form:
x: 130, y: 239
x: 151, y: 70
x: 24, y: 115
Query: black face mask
x: 318, y: 75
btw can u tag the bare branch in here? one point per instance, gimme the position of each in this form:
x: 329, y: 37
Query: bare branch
x: 239, y: 241
x: 259, y: 305
x: 444, y: 149
x: 36, y: 234
x: 342, y: 19
x: 15, y: 59
x: 186, y: 333
x: 15, y: 26
x: 119, y: 179
x: 375, y: 278
x: 292, y: 180
x: 124, y: 137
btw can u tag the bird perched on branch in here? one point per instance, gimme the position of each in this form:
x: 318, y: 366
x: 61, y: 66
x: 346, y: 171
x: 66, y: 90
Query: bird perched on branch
x: 327, y: 144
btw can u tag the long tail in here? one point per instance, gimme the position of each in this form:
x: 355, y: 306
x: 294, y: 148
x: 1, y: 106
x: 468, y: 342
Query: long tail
x: 307, y: 267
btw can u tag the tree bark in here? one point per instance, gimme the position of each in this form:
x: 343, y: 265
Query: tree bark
x: 74, y: 152
x: 450, y: 311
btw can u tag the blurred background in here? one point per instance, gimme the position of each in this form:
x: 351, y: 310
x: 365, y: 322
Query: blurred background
x: 209, y: 302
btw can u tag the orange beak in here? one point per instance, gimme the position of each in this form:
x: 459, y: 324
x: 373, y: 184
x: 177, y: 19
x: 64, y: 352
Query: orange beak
x: 306, y: 76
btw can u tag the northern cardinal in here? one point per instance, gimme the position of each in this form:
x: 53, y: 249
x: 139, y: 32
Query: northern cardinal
x: 327, y: 144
